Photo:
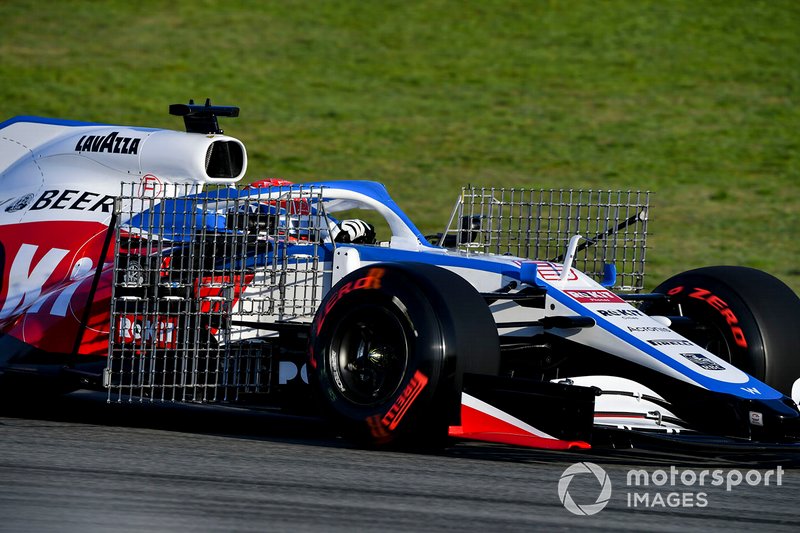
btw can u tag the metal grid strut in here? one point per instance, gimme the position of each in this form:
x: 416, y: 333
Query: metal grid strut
x: 195, y: 275
x: 537, y: 224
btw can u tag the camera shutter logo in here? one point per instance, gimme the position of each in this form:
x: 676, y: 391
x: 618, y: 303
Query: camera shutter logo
x: 602, y: 498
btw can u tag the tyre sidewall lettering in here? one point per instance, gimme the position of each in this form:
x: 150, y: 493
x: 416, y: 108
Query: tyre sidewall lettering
x: 713, y: 303
x: 398, y: 294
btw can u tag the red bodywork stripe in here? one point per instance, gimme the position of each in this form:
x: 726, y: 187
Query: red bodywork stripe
x: 477, y: 425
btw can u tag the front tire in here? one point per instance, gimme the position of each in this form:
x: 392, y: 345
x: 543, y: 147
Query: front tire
x: 388, y: 347
x: 744, y: 316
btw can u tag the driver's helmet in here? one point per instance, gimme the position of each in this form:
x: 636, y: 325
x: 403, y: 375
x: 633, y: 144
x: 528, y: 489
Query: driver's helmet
x: 294, y: 219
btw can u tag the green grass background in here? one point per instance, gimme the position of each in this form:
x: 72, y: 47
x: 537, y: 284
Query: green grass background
x: 695, y: 100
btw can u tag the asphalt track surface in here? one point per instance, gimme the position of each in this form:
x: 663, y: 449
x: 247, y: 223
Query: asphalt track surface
x: 81, y: 465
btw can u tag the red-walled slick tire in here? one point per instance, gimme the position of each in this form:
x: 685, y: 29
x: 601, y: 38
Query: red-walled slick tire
x: 388, y: 347
x: 745, y: 316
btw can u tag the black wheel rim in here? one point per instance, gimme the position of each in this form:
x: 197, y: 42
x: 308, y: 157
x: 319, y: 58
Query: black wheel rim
x: 704, y: 332
x: 713, y: 339
x: 369, y: 354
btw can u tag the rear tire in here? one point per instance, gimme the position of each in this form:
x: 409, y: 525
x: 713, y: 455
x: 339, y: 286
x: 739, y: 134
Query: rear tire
x: 746, y: 317
x: 389, y: 346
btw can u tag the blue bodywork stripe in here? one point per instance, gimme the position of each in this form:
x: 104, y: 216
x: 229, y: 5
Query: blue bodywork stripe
x: 735, y: 389
x: 373, y: 253
x: 62, y: 122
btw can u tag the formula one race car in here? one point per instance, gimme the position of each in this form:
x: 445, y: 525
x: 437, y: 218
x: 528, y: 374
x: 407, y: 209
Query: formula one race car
x: 132, y: 263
